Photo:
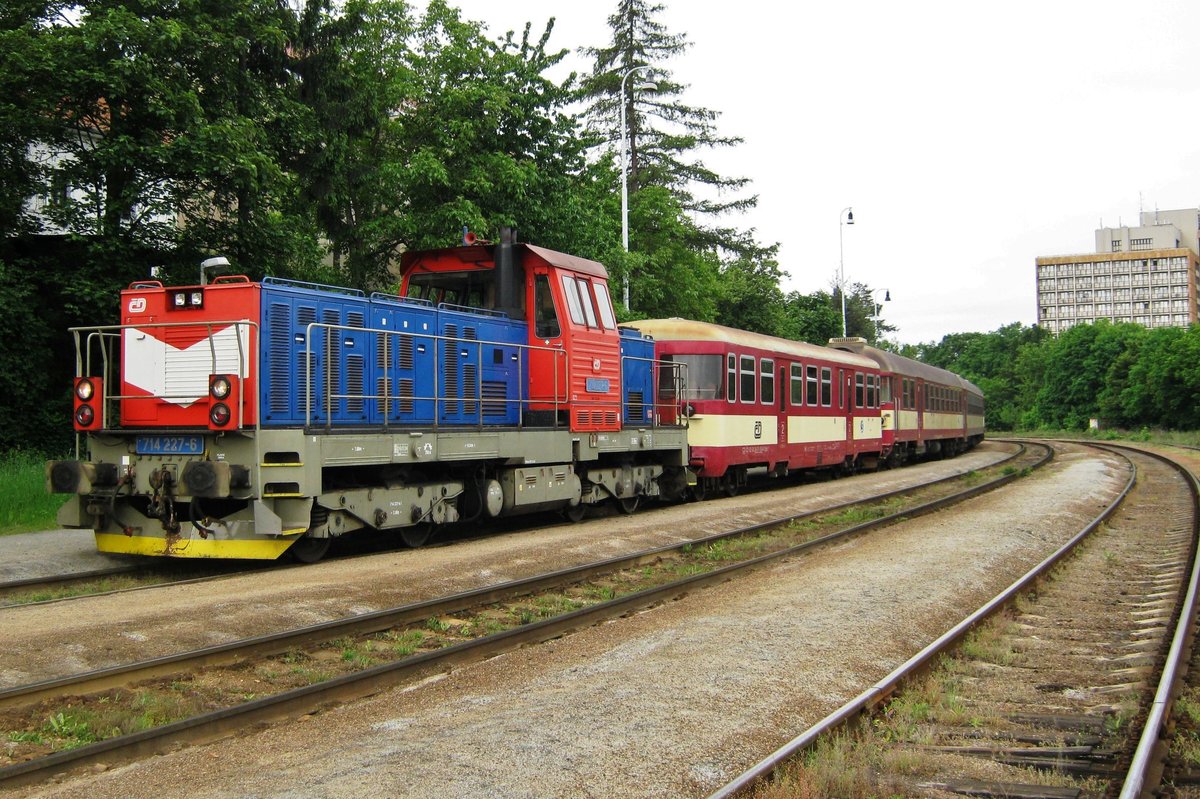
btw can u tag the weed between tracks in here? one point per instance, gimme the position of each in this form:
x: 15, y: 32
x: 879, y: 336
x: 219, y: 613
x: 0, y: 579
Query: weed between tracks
x: 67, y: 724
x: 895, y: 752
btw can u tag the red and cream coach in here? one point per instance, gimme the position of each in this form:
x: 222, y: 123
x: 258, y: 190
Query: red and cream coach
x: 761, y: 401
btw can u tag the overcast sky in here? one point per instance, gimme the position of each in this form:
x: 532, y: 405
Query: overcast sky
x: 969, y: 138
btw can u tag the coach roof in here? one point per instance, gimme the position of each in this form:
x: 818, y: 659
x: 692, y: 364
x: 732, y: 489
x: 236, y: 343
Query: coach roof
x: 676, y: 329
x: 898, y: 364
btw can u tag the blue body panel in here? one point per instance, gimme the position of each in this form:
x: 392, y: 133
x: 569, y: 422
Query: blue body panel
x: 637, y: 377
x: 384, y: 360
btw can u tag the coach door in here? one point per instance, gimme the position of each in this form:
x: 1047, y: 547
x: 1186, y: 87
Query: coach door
x: 919, y: 395
x: 845, y: 379
x: 782, y: 388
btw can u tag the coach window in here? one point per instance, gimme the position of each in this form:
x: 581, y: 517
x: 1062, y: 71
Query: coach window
x: 810, y: 395
x: 574, y: 304
x: 703, y: 376
x: 731, y: 378
x: 859, y: 401
x: 826, y: 386
x: 766, y: 381
x: 797, y: 385
x: 748, y: 378
x: 885, y: 389
x: 872, y: 392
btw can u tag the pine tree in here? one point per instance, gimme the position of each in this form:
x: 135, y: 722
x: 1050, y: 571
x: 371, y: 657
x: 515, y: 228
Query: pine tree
x: 664, y: 133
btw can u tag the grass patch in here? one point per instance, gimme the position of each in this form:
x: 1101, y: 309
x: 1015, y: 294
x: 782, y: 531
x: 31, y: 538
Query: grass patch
x: 24, y: 504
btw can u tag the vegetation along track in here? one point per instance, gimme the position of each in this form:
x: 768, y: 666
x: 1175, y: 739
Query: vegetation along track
x: 204, y: 694
x: 1046, y: 699
x: 130, y: 577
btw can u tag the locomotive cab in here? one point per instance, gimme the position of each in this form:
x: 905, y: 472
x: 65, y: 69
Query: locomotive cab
x: 573, y: 360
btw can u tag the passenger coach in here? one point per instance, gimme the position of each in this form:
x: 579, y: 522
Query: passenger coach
x: 761, y: 401
x: 927, y: 410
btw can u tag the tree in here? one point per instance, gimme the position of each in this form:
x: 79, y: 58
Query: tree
x: 663, y: 132
x: 811, y: 318
x: 486, y: 140
x: 664, y: 136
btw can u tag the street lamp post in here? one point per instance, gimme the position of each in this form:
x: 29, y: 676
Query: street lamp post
x: 625, y: 174
x: 877, y: 307
x: 848, y: 213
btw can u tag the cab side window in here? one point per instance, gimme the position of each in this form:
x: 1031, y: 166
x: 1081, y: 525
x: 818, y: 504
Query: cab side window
x: 546, y: 317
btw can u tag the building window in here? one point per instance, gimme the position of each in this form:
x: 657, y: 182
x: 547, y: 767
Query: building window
x: 1116, y: 245
x: 1141, y: 244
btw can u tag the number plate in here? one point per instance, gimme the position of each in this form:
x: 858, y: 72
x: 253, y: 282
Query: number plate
x: 170, y: 445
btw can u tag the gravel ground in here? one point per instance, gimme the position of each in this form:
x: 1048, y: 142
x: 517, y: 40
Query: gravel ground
x: 669, y: 702
x: 52, y: 552
x: 87, y: 633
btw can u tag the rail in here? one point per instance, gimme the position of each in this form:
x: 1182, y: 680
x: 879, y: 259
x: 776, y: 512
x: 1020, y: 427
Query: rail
x: 1143, y: 770
x: 875, y: 695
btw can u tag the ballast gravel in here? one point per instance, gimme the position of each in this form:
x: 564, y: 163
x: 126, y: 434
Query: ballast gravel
x: 670, y: 702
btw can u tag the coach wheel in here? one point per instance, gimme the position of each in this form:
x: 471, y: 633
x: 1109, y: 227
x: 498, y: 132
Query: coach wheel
x: 729, y: 484
x: 416, y: 536
x: 575, y: 513
x: 626, y: 505
x: 701, y: 490
x: 309, y: 549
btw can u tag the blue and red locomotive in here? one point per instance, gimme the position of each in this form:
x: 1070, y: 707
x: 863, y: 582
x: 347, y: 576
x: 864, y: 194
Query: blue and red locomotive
x: 240, y: 419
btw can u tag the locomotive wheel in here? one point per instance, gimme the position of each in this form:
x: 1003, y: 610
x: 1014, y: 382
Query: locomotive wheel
x: 575, y: 513
x: 626, y: 505
x: 309, y: 549
x: 417, y: 536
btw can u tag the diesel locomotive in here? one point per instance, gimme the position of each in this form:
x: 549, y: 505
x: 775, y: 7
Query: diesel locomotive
x: 246, y: 419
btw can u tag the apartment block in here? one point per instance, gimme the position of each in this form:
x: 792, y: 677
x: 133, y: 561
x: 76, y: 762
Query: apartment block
x: 1145, y: 274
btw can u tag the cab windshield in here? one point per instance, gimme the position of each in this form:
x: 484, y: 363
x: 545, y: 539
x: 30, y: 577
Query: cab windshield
x: 474, y: 288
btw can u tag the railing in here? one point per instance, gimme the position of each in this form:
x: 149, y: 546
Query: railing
x: 94, y: 347
x: 392, y: 374
x: 101, y: 339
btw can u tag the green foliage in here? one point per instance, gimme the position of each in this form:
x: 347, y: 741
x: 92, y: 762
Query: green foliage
x: 24, y: 503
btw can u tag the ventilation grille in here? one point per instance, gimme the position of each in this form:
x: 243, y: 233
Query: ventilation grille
x: 470, y: 378
x: 355, y: 383
x: 279, y: 329
x: 495, y: 394
x: 637, y: 407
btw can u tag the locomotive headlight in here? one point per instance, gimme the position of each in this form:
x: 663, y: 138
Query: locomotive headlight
x: 220, y: 387
x: 197, y: 298
x: 85, y: 389
x: 84, y: 415
x: 219, y: 414
x: 180, y: 300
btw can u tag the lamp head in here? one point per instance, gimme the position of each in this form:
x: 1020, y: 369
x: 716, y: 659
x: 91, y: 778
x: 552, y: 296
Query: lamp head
x: 887, y: 295
x: 849, y: 216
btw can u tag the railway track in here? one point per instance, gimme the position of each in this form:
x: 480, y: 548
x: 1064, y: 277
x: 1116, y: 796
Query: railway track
x: 586, y: 593
x: 156, y: 573
x: 1066, y: 692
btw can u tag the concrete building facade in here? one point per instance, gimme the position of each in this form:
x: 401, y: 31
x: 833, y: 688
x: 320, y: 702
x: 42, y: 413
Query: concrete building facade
x: 1146, y: 275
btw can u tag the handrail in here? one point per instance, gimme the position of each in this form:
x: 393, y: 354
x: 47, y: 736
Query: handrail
x: 109, y: 335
